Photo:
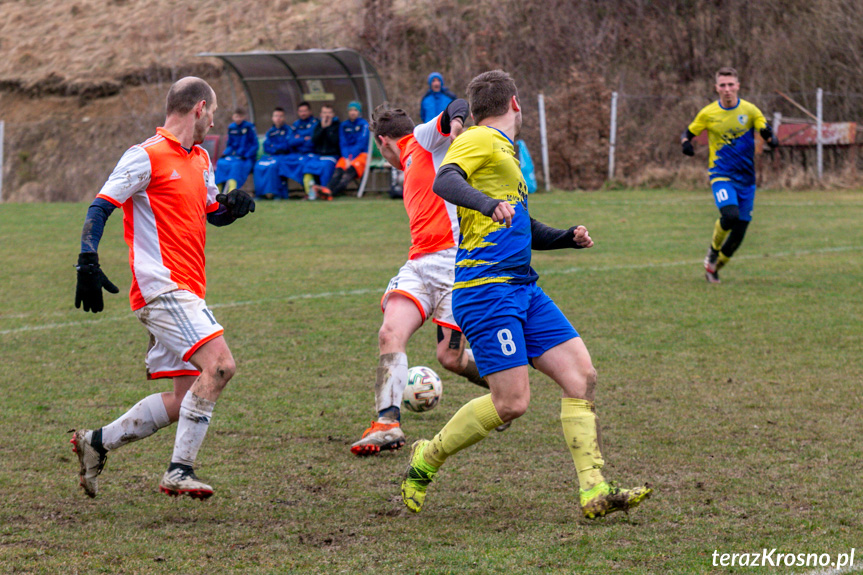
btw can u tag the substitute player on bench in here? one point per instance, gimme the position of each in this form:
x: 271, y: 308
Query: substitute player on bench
x: 730, y: 123
x: 508, y: 319
x: 423, y: 287
x: 166, y: 189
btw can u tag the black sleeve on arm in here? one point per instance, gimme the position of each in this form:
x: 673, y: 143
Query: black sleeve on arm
x: 451, y: 184
x: 94, y: 225
x: 545, y: 237
x: 687, y: 135
x: 456, y: 109
x: 221, y: 217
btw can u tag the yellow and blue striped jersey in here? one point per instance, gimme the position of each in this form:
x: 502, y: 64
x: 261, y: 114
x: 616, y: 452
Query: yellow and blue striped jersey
x: 731, y: 135
x: 489, y: 252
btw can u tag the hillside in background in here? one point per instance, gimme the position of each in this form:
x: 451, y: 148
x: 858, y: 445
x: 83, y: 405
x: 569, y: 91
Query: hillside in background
x: 82, y: 80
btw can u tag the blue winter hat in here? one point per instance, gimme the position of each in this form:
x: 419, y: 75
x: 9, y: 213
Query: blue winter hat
x: 437, y: 75
x: 356, y: 105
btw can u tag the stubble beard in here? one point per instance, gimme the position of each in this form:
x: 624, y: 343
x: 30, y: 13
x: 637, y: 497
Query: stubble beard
x: 201, y: 129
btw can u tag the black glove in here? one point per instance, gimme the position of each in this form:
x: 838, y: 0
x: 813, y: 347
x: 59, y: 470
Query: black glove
x: 238, y: 202
x: 91, y: 280
x: 688, y: 150
x: 769, y: 137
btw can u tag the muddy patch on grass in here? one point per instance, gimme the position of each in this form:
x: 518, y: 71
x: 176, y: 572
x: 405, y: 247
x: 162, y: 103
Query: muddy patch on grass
x: 334, y: 539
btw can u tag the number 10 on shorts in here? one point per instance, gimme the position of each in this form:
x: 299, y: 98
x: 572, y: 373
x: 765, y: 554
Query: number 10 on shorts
x: 507, y: 344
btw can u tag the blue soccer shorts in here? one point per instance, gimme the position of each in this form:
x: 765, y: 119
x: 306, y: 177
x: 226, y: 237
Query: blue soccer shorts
x: 727, y: 193
x: 508, y: 325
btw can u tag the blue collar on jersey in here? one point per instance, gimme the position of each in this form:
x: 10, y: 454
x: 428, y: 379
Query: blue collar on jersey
x: 732, y: 107
x: 502, y: 134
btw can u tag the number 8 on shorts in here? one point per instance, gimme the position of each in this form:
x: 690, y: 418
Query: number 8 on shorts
x: 507, y: 344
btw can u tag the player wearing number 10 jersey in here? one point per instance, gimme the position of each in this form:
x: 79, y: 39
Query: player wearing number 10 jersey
x: 730, y: 124
x: 508, y: 319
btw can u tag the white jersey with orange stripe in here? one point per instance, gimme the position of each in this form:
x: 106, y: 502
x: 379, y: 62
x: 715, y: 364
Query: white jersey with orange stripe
x: 431, y: 137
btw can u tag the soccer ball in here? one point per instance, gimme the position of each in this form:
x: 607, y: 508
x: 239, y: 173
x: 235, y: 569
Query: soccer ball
x: 423, y: 390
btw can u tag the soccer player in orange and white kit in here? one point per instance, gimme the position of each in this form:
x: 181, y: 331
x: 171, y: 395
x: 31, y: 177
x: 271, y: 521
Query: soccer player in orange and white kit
x: 166, y: 189
x: 423, y: 287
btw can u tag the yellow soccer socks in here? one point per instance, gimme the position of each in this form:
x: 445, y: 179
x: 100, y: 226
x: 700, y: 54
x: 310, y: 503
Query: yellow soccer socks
x: 581, y: 430
x: 719, y: 236
x: 469, y: 425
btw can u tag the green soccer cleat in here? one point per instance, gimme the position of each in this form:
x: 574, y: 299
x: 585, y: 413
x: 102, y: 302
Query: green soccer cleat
x: 417, y: 478
x: 606, y: 498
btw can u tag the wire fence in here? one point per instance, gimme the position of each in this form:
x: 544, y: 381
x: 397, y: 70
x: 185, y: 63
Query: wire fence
x: 67, y: 159
x: 649, y: 128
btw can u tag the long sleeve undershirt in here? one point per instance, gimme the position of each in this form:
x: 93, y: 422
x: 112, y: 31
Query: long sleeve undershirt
x: 100, y: 210
x: 451, y: 184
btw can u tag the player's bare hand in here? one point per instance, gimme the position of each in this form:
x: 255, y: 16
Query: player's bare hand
x: 581, y: 237
x: 503, y: 213
x: 456, y: 127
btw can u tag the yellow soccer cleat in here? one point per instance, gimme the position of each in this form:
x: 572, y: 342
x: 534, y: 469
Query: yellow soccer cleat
x: 606, y: 498
x: 417, y: 478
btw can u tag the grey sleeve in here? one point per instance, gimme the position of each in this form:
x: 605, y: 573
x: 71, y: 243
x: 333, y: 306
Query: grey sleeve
x: 457, y: 109
x: 451, y: 184
x: 545, y: 237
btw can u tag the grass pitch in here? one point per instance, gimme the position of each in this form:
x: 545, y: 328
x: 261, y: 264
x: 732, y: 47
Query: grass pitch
x: 740, y: 403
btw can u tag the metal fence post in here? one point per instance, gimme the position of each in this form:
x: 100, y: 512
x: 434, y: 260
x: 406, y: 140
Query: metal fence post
x: 819, y: 113
x: 612, y: 137
x: 544, y: 139
x: 1, y: 160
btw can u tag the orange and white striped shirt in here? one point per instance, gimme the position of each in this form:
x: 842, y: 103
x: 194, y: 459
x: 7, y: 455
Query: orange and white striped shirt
x: 166, y: 193
x: 433, y: 221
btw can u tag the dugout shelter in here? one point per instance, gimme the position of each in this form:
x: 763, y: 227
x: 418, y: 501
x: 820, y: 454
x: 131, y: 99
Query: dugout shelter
x: 285, y: 79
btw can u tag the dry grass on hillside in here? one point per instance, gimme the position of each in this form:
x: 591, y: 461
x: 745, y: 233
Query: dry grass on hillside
x: 107, y: 59
x: 82, y: 43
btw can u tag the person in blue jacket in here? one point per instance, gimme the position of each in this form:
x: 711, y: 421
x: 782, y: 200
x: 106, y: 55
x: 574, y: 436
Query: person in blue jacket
x: 354, y: 145
x: 238, y: 159
x: 436, y: 99
x: 300, y: 144
x: 268, y: 181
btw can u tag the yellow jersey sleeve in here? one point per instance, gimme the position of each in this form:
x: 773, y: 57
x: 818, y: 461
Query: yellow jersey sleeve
x: 758, y: 119
x: 471, y: 150
x: 700, y: 123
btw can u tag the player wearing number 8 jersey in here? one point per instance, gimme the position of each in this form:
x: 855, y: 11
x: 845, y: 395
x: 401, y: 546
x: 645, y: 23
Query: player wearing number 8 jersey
x: 165, y: 187
x: 508, y: 319
x: 730, y: 124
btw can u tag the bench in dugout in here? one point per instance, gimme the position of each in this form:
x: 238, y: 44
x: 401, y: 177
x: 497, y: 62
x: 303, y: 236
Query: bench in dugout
x: 381, y: 178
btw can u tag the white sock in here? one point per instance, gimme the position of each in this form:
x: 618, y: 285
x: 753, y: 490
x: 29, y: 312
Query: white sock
x: 195, y: 415
x: 146, y: 418
x: 392, y: 378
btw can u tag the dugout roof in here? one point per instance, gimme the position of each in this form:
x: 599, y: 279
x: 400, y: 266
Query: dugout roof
x: 285, y: 79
